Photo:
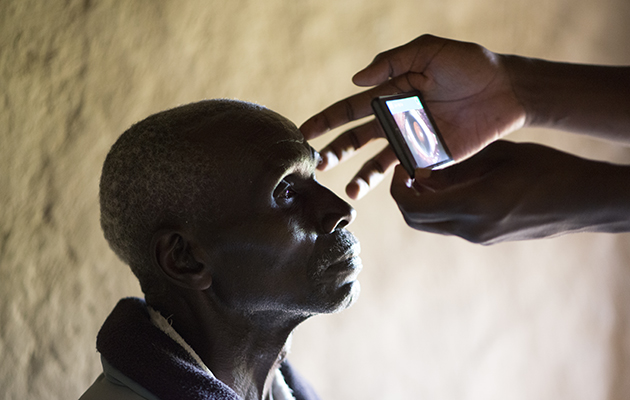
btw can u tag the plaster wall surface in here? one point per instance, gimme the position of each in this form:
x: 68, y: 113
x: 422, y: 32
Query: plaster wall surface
x: 438, y: 318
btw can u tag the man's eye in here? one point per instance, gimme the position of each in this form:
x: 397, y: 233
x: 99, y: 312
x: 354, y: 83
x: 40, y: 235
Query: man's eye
x: 284, y: 191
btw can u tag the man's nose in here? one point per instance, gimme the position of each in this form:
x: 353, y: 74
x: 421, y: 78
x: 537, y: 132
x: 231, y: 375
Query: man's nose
x: 334, y: 213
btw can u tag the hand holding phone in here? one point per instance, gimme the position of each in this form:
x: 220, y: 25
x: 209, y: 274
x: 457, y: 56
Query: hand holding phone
x: 411, y: 131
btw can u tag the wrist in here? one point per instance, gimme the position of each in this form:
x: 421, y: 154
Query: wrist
x: 580, y: 98
x: 530, y: 85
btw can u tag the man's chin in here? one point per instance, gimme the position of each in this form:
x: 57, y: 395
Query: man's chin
x: 344, y: 297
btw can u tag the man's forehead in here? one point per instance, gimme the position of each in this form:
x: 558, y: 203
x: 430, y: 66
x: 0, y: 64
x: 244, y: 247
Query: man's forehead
x: 291, y: 154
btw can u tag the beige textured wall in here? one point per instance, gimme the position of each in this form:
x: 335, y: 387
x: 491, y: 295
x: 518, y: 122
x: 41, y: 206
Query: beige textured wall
x: 438, y: 318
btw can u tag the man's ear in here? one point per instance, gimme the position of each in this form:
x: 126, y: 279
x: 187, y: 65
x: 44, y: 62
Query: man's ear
x: 175, y: 257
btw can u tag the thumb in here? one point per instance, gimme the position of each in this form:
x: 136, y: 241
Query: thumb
x: 402, y: 183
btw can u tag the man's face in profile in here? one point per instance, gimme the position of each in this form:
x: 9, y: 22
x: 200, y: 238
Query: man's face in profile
x: 278, y: 241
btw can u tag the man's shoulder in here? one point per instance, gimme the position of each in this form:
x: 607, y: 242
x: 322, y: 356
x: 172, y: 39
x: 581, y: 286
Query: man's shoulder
x: 111, y: 385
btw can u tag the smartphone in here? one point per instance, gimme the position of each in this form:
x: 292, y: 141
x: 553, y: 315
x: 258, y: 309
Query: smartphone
x: 411, y: 131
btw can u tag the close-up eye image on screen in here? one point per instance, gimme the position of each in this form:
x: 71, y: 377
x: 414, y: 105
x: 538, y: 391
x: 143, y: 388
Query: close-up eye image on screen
x: 417, y: 131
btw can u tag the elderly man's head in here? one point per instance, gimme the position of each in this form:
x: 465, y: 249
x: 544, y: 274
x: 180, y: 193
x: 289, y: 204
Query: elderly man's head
x: 220, y: 196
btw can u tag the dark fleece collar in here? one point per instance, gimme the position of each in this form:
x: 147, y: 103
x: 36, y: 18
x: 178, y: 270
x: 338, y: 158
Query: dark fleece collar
x: 130, y: 342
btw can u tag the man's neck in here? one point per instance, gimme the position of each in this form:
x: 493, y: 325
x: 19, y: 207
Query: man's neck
x: 243, y: 352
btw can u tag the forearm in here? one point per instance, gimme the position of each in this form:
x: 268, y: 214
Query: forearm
x: 589, y: 99
x: 606, y: 200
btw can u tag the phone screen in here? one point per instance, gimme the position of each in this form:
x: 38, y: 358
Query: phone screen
x: 418, y: 132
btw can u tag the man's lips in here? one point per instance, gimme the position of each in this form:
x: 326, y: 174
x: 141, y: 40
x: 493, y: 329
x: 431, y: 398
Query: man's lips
x: 340, y: 256
x: 345, y: 270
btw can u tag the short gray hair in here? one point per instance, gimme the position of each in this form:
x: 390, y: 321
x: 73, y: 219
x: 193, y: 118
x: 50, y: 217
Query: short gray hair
x: 152, y: 177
